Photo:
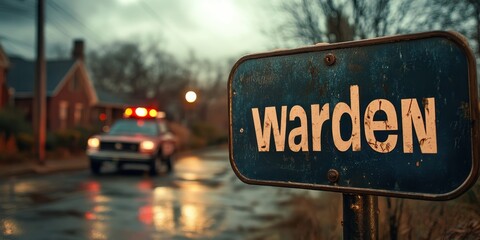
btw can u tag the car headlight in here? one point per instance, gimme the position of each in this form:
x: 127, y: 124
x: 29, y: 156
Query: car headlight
x: 147, y: 146
x: 93, y: 143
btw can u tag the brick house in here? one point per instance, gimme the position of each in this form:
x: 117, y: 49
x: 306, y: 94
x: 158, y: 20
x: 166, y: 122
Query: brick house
x: 4, y: 64
x: 69, y: 90
x: 109, y: 107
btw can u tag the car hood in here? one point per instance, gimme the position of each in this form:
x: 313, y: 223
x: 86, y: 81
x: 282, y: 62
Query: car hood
x: 125, y: 138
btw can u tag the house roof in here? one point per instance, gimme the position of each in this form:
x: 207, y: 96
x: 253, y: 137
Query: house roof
x: 106, y: 98
x: 21, y: 75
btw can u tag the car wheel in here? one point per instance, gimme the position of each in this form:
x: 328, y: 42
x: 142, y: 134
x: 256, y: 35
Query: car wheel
x: 154, y: 167
x: 119, y: 167
x: 168, y: 162
x: 95, y: 167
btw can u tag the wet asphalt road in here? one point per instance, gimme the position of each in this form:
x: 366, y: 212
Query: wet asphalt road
x: 202, y: 199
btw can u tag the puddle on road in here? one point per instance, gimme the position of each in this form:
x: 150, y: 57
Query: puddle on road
x: 201, y: 199
x: 187, y: 208
x: 71, y: 232
x: 214, y: 157
x: 95, y: 188
x: 10, y: 227
x: 26, y: 193
x: 187, y: 219
x: 91, y: 186
x: 60, y: 213
x: 222, y: 173
x: 119, y: 193
x: 40, y: 198
x: 189, y: 181
x: 193, y: 186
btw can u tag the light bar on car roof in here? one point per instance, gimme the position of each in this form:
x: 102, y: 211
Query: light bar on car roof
x: 140, y: 112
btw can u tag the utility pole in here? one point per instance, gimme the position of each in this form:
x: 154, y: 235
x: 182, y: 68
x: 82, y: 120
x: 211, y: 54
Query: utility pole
x: 39, y: 100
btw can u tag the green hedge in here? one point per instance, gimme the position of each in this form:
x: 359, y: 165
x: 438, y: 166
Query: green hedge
x: 12, y: 122
x: 73, y: 139
x: 14, y: 127
x: 17, y: 140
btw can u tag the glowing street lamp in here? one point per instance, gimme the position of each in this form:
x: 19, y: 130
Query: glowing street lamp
x: 191, y: 96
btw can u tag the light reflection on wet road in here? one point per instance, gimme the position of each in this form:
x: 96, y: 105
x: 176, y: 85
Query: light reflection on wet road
x: 202, y: 199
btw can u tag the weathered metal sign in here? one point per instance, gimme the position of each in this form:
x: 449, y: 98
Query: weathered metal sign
x: 394, y: 116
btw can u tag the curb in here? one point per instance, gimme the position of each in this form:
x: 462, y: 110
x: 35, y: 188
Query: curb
x: 74, y: 163
x: 52, y: 166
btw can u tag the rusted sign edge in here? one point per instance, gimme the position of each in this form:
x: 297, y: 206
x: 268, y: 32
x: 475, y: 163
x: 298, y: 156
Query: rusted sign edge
x: 455, y: 37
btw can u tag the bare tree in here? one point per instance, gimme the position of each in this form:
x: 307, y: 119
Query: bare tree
x: 457, y: 15
x: 142, y: 72
x: 120, y: 68
x: 313, y: 21
x: 379, y: 18
x: 306, y: 21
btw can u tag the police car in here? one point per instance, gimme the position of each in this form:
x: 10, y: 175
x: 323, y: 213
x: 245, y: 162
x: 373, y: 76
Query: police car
x: 141, y: 137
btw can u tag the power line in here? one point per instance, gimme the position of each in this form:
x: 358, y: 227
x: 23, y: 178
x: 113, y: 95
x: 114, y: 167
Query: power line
x: 147, y: 8
x: 57, y: 25
x: 15, y: 8
x: 28, y: 12
x: 64, y: 11
x: 71, y: 15
x: 17, y: 41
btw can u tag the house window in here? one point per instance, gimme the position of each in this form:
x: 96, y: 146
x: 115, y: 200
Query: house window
x: 94, y: 115
x: 63, y: 114
x: 77, y: 116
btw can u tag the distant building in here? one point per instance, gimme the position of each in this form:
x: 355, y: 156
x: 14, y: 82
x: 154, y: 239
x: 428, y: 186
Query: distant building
x: 110, y: 107
x: 4, y: 65
x: 69, y: 89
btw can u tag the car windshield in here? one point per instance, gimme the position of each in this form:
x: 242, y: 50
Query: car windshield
x: 134, y: 127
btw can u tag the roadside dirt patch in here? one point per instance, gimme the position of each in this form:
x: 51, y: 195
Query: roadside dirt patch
x: 320, y: 217
x: 309, y: 218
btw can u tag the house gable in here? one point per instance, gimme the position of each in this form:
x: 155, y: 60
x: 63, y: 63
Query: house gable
x: 70, y: 102
x: 70, y: 94
x: 77, y: 81
x: 4, y: 62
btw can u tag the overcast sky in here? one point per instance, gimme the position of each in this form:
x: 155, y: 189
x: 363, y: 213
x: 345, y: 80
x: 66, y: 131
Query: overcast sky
x: 213, y: 29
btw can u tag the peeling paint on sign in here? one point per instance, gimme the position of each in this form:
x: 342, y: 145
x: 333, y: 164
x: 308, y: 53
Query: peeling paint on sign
x: 393, y: 116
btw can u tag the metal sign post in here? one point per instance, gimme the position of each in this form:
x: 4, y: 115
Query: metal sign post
x: 360, y: 216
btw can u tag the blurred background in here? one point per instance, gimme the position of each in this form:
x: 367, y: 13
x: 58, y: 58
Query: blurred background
x: 152, y: 52
x: 120, y: 53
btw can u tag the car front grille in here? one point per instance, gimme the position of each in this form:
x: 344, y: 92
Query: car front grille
x: 119, y: 146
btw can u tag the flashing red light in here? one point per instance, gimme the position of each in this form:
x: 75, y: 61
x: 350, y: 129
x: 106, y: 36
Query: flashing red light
x: 102, y: 117
x: 140, y: 112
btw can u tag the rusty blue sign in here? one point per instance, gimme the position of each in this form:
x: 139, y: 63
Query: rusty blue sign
x: 394, y: 116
